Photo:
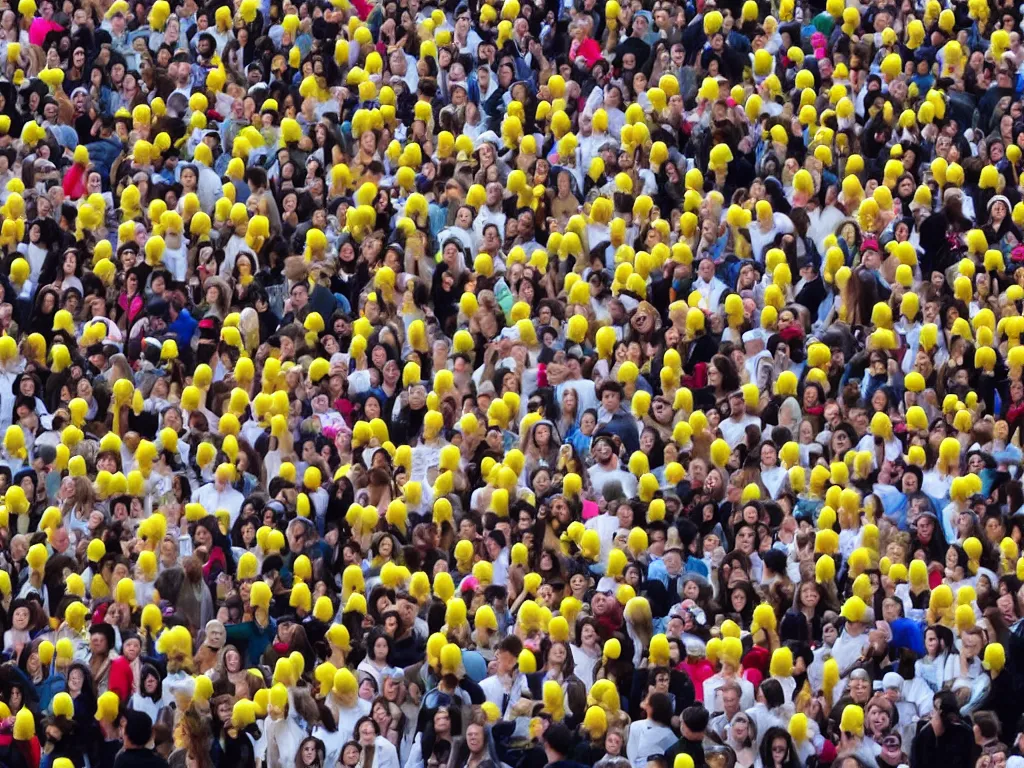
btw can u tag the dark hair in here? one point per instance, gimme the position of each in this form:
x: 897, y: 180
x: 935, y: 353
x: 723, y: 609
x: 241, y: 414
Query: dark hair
x: 727, y: 369
x: 511, y: 644
x: 696, y: 718
x: 947, y: 705
x: 365, y: 719
x: 771, y: 689
x: 138, y: 727
x: 608, y: 385
x: 660, y: 706
x: 773, y: 733
x: 988, y: 724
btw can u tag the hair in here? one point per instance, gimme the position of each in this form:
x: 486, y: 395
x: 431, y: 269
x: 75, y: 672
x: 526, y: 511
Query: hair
x: 988, y: 724
x: 696, y: 718
x: 660, y: 706
x: 791, y: 760
x: 321, y: 751
x: 773, y: 694
x: 138, y: 727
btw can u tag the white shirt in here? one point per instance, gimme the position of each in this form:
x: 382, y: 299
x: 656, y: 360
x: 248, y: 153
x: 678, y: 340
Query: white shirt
x: 600, y: 476
x: 494, y: 689
x: 646, y: 738
x: 211, y: 499
x: 583, y: 664
x: 735, y: 432
x: 713, y: 702
x: 711, y: 291
x: 500, y: 576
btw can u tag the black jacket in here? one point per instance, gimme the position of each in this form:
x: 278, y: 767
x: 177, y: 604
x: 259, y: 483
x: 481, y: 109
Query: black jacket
x: 954, y: 747
x: 811, y: 295
x: 139, y: 758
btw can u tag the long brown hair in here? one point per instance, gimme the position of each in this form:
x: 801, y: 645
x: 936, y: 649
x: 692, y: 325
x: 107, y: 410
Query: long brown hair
x: 321, y: 753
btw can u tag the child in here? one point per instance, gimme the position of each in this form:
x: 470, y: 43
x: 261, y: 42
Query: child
x: 582, y: 437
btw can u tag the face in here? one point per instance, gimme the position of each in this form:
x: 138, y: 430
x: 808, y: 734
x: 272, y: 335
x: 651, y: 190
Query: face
x: 367, y: 734
x: 779, y: 749
x: 475, y: 738
x: 98, y: 644
x: 613, y: 743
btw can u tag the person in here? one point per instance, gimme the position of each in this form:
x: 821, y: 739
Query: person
x: 693, y: 724
x: 557, y: 740
x: 110, y: 670
x: 777, y: 750
x: 944, y: 734
x: 652, y: 735
x: 137, y: 730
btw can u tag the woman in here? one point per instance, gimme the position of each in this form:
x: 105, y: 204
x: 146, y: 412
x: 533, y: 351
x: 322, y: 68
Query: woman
x: 773, y: 476
x: 777, y: 750
x: 149, y: 696
x: 230, y: 667
x: 879, y: 716
x: 377, y: 752
x: 213, y: 548
x: 722, y: 379
x: 130, y: 301
x: 46, y: 681
x: 928, y: 540
x: 810, y: 602
x: 82, y: 692
x: 378, y: 647
x: 311, y: 753
x: 388, y: 718
x: 541, y: 446
x: 938, y: 644
x: 569, y: 414
x: 588, y: 652
x: 652, y: 735
x: 742, y: 738
x: 434, y: 744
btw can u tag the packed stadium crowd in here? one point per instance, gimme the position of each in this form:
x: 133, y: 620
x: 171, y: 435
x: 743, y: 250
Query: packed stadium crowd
x: 511, y: 384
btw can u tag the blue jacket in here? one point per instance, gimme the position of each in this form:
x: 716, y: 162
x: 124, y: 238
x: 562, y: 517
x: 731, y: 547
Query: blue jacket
x: 658, y: 572
x: 47, y: 689
x: 184, y: 327
x: 257, y: 639
x: 102, y: 155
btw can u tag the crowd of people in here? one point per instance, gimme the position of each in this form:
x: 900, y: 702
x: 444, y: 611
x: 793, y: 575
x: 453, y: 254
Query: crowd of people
x: 512, y: 384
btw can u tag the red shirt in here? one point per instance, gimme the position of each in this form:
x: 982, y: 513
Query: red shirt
x: 120, y: 679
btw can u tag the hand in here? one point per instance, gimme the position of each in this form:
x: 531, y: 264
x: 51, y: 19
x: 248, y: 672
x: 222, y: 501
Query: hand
x: 938, y: 727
